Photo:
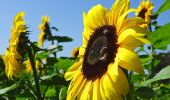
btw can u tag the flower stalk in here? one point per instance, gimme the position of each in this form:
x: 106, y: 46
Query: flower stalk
x: 36, y: 78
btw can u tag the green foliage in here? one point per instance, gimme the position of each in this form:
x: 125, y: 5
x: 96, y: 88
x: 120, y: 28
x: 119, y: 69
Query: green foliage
x: 64, y: 64
x: 163, y: 8
x: 160, y: 37
x: 50, y: 92
x: 163, y: 74
x: 5, y: 90
x: 63, y: 93
x: 61, y: 39
x: 144, y: 92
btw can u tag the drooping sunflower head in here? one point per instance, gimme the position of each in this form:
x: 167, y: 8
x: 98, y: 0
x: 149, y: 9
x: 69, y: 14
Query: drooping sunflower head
x: 13, y: 56
x: 109, y: 38
x: 45, y: 30
x: 12, y: 65
x: 144, y: 10
x: 18, y: 29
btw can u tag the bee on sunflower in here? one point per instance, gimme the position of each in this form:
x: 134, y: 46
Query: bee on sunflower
x: 144, y: 11
x: 109, y: 38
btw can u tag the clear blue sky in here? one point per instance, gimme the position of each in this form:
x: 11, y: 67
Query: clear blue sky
x: 66, y: 15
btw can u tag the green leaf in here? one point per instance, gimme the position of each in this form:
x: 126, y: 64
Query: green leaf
x: 145, y: 59
x: 64, y: 64
x: 163, y: 8
x: 26, y: 94
x: 50, y: 92
x: 60, y: 47
x: 144, y: 92
x: 163, y: 74
x: 62, y: 38
x: 63, y: 93
x: 42, y: 55
x: 160, y: 37
x: 54, y: 28
x: 135, y: 78
x: 51, y: 61
x: 5, y: 90
x: 48, y: 77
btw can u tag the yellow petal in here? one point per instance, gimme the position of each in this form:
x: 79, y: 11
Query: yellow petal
x: 114, y: 11
x: 119, y: 7
x: 85, y: 94
x: 130, y: 39
x: 75, y: 87
x: 123, y: 86
x: 116, y: 75
x: 72, y: 70
x: 113, y: 68
x: 96, y: 90
x: 129, y: 60
x: 132, y: 22
x: 121, y: 19
x: 108, y: 88
x: 19, y: 17
x: 95, y: 17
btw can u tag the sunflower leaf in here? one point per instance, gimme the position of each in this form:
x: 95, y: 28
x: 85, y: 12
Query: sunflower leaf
x: 160, y: 37
x: 61, y: 38
x: 163, y: 8
x: 42, y: 55
x: 63, y: 64
x: 63, y: 93
x: 25, y: 95
x: 54, y: 28
x: 51, y: 61
x: 163, y: 74
x: 4, y: 90
x: 144, y: 92
x: 50, y: 92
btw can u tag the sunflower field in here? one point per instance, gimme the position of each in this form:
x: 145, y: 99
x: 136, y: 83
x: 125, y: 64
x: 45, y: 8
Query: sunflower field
x: 124, y: 55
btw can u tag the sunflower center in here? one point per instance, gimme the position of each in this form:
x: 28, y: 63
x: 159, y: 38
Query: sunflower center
x: 142, y: 13
x: 100, y: 51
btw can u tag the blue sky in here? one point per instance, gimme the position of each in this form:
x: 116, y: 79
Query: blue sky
x: 66, y: 15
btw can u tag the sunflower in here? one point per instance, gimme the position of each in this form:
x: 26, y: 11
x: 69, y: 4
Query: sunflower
x: 45, y: 30
x: 75, y: 52
x: 144, y: 11
x: 109, y: 38
x: 12, y: 58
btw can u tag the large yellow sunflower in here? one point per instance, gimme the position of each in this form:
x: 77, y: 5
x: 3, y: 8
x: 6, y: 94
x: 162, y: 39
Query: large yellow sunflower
x: 12, y: 58
x: 109, y: 38
x: 144, y: 11
x: 44, y: 27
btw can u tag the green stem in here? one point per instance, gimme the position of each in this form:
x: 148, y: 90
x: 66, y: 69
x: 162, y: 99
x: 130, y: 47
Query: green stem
x: 152, y: 62
x: 153, y: 59
x: 36, y: 78
x: 55, y: 55
x: 45, y: 91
